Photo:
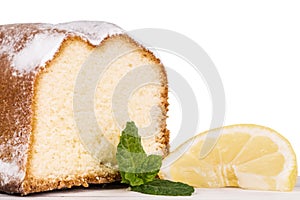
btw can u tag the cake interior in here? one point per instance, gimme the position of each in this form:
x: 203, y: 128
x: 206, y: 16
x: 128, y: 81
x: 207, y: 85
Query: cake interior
x: 58, y: 157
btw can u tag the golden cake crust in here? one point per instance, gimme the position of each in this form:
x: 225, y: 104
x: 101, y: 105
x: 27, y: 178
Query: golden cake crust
x: 16, y: 111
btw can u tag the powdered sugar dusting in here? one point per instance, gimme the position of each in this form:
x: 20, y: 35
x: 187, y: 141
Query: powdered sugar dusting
x: 93, y: 31
x: 31, y: 46
x: 10, y: 168
x: 38, y: 51
x: 10, y: 171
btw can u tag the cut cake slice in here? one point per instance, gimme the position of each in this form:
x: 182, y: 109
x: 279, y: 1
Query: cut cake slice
x: 43, y: 103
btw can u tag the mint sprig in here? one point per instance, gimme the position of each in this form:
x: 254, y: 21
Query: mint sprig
x: 140, y: 170
x: 135, y: 166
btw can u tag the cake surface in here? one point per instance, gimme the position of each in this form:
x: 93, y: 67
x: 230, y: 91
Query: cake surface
x: 43, y: 147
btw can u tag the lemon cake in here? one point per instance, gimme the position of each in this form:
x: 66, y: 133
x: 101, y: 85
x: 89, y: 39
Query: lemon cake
x: 42, y: 147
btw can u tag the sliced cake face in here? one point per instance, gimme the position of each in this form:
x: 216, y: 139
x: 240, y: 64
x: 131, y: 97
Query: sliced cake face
x: 73, y: 135
x: 56, y: 138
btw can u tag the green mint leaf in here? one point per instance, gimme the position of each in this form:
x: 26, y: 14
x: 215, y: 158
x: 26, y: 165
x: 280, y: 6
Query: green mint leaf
x: 152, y: 163
x: 130, y: 139
x: 133, y: 179
x: 164, y: 187
x: 136, y: 168
x: 139, y: 170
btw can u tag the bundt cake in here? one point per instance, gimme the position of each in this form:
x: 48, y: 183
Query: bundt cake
x: 41, y: 145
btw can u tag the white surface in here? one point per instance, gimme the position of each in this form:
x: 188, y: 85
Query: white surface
x: 254, y: 44
x: 207, y: 194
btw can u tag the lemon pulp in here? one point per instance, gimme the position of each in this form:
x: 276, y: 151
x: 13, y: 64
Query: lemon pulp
x: 246, y: 156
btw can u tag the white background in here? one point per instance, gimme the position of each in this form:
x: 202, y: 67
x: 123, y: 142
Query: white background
x: 255, y: 46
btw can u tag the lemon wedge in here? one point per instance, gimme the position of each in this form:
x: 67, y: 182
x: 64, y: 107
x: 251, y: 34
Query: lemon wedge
x: 246, y: 156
